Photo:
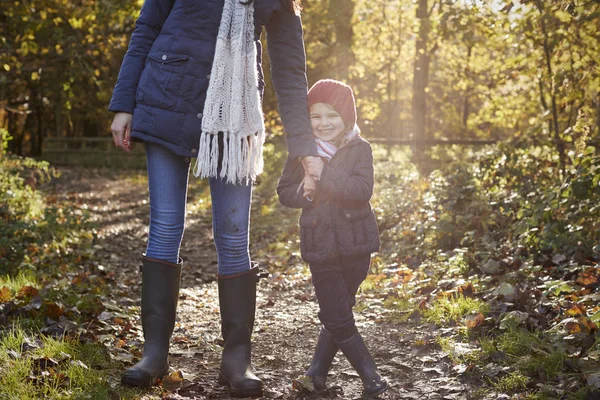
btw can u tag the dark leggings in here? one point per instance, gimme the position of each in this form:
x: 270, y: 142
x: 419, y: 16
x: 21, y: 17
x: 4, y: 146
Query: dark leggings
x: 336, y: 284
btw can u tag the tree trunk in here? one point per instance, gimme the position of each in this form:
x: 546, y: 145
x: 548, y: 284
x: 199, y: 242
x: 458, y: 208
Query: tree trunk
x: 466, y: 106
x: 560, y: 146
x: 598, y: 114
x: 341, y: 12
x: 420, y: 80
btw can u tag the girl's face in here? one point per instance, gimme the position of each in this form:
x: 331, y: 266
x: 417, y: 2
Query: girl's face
x: 326, y: 123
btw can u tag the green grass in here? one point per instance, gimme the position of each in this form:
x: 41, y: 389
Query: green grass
x: 17, y: 282
x: 512, y: 382
x: 59, y: 369
x: 517, y: 342
x: 453, y: 309
x: 458, y: 353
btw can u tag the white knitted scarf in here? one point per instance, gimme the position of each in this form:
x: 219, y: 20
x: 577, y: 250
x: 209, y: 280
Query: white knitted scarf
x: 232, y: 104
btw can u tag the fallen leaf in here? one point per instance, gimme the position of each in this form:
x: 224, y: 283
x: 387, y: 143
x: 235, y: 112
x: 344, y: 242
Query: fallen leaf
x: 27, y: 292
x: 594, y: 380
x: 54, y: 310
x: 586, y: 279
x: 474, y: 320
x: 467, y: 290
x: 172, y: 381
x: 5, y: 295
x: 573, y: 327
x: 303, y: 383
x: 575, y: 311
x: 405, y: 275
x: 588, y: 324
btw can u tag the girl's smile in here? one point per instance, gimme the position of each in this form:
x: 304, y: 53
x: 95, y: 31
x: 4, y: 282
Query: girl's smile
x: 327, y: 124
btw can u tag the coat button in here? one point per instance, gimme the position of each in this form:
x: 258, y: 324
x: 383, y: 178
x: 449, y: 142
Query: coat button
x: 164, y: 57
x: 194, y: 151
x: 199, y: 115
x: 208, y: 76
x: 348, y: 215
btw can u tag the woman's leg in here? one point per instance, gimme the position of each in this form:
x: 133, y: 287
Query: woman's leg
x: 167, y: 184
x: 237, y: 285
x: 231, y: 224
x: 161, y: 267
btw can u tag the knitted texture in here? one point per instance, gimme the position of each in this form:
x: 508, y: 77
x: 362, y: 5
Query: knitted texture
x: 232, y: 104
x: 327, y: 149
x: 338, y: 95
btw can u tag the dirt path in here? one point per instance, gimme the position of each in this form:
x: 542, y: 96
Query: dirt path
x: 286, y: 327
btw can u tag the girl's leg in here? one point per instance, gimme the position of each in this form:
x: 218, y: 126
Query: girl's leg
x: 167, y: 184
x: 336, y: 286
x: 231, y: 224
x: 335, y: 301
x: 355, y: 271
x: 161, y: 267
x: 237, y: 285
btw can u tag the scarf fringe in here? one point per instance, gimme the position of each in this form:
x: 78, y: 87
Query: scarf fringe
x: 242, y: 157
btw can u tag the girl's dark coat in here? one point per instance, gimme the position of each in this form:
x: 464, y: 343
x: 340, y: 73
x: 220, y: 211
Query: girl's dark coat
x: 339, y: 221
x: 165, y: 72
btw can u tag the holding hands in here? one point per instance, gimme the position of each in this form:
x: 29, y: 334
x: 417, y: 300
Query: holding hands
x: 313, y: 167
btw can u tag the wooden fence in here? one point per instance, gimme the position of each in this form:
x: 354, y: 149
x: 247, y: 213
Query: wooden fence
x: 92, y: 152
x: 432, y: 142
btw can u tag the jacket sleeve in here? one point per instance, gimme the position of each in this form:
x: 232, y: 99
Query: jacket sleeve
x: 285, y: 46
x: 288, y: 188
x: 350, y: 190
x: 147, y: 27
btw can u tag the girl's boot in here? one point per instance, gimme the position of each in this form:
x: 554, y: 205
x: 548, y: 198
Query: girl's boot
x: 160, y: 291
x: 321, y: 362
x: 237, y: 300
x: 358, y: 355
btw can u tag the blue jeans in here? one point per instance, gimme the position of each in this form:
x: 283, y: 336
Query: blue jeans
x: 336, y: 284
x: 167, y: 183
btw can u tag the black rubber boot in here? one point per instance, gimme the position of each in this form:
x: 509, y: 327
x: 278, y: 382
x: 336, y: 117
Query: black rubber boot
x: 160, y: 291
x: 357, y: 353
x: 322, y: 359
x: 237, y: 300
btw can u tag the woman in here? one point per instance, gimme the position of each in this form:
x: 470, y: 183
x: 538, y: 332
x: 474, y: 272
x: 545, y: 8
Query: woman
x: 187, y: 88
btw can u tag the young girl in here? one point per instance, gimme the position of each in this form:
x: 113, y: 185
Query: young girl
x: 337, y: 227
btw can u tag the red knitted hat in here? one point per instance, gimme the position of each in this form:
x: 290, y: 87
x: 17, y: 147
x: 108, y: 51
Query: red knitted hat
x: 336, y: 94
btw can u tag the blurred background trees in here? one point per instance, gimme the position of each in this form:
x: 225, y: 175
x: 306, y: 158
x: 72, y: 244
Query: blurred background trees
x: 421, y: 69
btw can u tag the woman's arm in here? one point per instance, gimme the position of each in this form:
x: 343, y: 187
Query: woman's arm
x: 350, y: 190
x: 147, y: 27
x: 288, y: 73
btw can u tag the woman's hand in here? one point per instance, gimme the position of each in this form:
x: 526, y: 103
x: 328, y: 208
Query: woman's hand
x: 313, y: 166
x: 121, y: 131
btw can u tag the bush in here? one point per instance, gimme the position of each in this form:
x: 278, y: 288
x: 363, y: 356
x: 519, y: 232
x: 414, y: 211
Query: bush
x: 33, y: 232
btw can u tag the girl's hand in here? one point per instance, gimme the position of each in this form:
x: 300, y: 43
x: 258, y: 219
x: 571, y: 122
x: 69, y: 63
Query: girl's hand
x: 313, y: 166
x: 310, y: 186
x: 121, y: 131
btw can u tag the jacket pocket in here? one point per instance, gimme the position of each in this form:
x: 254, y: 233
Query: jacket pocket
x: 317, y: 241
x: 162, y: 84
x: 356, y: 231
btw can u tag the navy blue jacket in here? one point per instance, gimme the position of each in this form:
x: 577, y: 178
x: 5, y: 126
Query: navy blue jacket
x: 339, y: 221
x: 165, y: 72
